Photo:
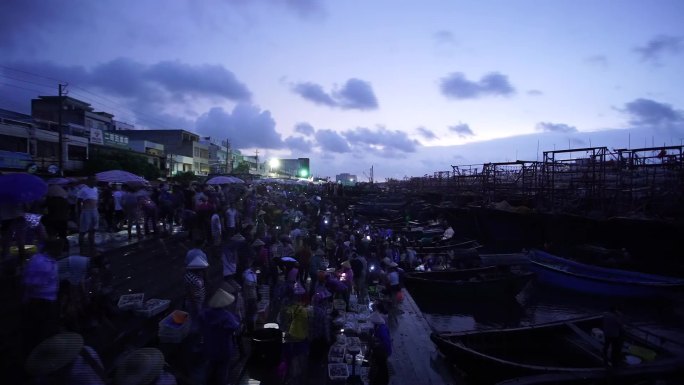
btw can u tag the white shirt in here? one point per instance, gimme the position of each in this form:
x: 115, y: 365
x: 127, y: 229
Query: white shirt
x: 87, y: 193
x: 117, y: 200
x: 231, y: 215
x: 215, y: 224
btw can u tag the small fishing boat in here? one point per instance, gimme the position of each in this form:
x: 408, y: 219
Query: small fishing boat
x: 493, y: 281
x: 596, y: 280
x: 557, y: 350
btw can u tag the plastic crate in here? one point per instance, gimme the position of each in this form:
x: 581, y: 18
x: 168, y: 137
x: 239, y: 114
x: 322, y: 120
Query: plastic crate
x: 336, y: 353
x: 338, y: 372
x: 131, y: 301
x: 339, y: 304
x: 171, y: 332
x: 153, y: 307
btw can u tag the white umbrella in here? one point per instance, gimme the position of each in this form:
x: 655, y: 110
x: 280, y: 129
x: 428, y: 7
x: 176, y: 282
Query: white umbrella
x: 119, y: 176
x: 224, y: 180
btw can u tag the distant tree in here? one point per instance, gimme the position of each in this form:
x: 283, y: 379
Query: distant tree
x: 242, y: 168
x: 184, y: 178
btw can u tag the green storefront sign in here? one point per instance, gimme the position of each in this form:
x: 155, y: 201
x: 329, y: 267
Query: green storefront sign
x: 115, y: 140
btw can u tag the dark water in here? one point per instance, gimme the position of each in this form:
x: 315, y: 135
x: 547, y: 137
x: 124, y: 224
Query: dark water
x: 540, y: 304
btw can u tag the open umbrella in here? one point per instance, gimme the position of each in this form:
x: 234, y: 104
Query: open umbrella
x: 21, y: 188
x: 119, y: 176
x: 59, y: 181
x: 224, y: 180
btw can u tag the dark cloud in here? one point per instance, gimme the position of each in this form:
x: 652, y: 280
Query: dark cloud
x: 358, y: 95
x: 305, y: 8
x: 355, y: 94
x: 246, y: 127
x: 427, y: 134
x: 646, y: 112
x: 142, y: 90
x: 535, y: 93
x: 314, y: 92
x: 598, y: 61
x: 203, y: 79
x: 28, y: 24
x: 444, y: 37
x: 463, y: 130
x: 659, y: 46
x: 305, y: 129
x: 381, y: 141
x: 555, y: 127
x: 331, y: 141
x: 298, y: 144
x: 456, y: 86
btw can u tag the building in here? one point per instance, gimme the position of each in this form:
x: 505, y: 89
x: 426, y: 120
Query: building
x: 34, y: 147
x: 294, y: 168
x: 154, y: 151
x: 346, y: 179
x: 218, y: 155
x: 183, y: 149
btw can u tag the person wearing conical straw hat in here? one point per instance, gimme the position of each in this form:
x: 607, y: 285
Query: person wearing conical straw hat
x: 63, y: 359
x: 218, y: 325
x: 143, y: 366
x: 195, y: 287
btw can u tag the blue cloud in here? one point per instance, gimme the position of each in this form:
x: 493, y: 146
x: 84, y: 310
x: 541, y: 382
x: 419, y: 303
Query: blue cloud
x: 355, y: 94
x: 555, y: 127
x: 659, y: 46
x: 314, y: 93
x: 331, y: 141
x: 381, y: 141
x: 646, y: 112
x: 305, y: 129
x: 246, y: 127
x: 298, y: 144
x: 456, y: 86
x: 444, y: 37
x: 427, y: 134
x: 463, y: 130
x: 203, y: 79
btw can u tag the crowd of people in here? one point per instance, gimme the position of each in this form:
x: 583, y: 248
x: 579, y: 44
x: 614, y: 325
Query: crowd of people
x: 297, y: 246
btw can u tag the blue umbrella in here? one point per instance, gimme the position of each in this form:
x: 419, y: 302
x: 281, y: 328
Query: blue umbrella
x: 21, y: 188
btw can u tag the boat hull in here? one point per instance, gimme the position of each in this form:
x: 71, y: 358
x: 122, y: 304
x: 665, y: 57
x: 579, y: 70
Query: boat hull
x: 570, y: 275
x: 560, y: 348
x: 469, y: 283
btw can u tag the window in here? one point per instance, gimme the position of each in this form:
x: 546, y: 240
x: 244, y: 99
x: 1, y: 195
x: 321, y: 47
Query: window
x: 13, y: 143
x: 47, y: 149
x: 77, y: 152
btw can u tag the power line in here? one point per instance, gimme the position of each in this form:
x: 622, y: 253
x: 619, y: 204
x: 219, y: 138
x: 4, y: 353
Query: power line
x: 26, y: 81
x: 23, y: 88
x: 32, y: 74
x: 139, y: 116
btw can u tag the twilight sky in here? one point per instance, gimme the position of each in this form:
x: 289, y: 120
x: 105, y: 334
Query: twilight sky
x: 409, y: 87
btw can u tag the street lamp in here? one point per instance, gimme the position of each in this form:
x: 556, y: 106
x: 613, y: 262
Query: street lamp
x: 274, y: 164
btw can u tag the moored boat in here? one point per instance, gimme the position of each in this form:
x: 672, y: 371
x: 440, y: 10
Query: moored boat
x: 596, y: 280
x: 493, y: 281
x: 559, y: 349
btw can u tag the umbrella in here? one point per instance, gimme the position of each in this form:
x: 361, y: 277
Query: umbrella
x: 73, y: 268
x: 59, y: 181
x: 21, y: 188
x: 119, y: 176
x: 56, y: 191
x: 224, y: 180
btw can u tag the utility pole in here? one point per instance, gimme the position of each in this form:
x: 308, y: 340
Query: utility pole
x: 61, y: 130
x: 256, y: 159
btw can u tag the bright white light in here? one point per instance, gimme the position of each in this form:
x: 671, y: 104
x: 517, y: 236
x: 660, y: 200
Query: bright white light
x: 274, y: 163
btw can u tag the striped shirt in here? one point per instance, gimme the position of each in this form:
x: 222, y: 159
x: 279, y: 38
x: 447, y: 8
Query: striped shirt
x: 194, y: 287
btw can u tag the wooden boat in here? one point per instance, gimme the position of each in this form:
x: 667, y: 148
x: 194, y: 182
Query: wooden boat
x: 596, y: 280
x: 560, y: 349
x: 493, y: 281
